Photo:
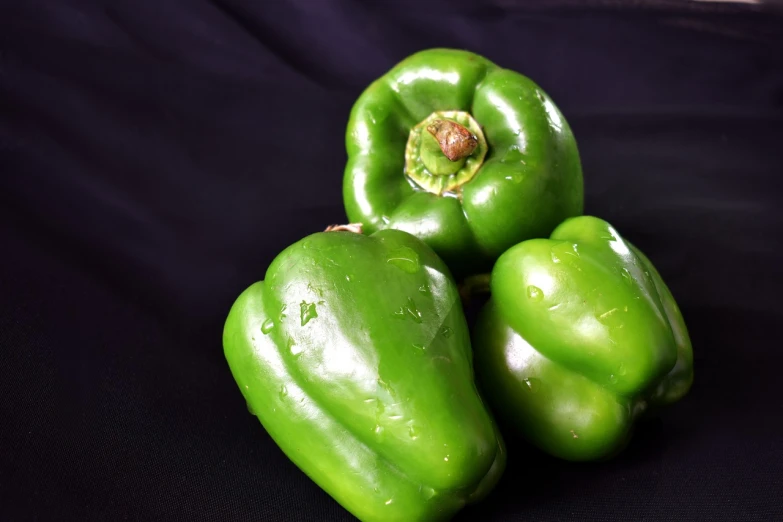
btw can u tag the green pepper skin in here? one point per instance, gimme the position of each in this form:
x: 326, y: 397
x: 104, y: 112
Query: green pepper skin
x: 530, y: 179
x: 354, y: 353
x: 580, y: 336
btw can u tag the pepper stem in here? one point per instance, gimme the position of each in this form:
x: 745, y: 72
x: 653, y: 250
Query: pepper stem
x: 456, y: 141
x: 356, y: 228
x: 445, y: 151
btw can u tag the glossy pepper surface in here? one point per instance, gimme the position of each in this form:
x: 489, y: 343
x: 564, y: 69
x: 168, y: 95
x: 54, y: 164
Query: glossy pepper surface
x: 580, y: 336
x: 355, y: 355
x: 466, y: 155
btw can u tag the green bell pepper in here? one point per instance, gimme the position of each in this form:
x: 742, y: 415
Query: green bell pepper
x: 354, y: 354
x: 580, y: 337
x: 466, y: 155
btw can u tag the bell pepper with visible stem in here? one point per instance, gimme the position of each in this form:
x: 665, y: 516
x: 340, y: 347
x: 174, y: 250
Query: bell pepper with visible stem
x: 462, y: 153
x: 580, y: 337
x: 355, y: 355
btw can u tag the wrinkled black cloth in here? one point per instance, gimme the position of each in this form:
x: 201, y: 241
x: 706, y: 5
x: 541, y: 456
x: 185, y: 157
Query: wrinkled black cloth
x: 156, y: 156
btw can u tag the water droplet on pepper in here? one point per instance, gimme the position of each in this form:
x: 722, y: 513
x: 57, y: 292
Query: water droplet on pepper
x: 409, y: 311
x: 307, y: 312
x: 534, y: 293
x: 404, y: 258
x: 267, y: 326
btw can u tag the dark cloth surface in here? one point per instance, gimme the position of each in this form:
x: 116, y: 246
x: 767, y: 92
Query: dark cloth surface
x: 156, y: 156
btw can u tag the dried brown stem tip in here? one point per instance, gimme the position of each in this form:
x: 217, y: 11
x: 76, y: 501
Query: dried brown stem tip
x: 356, y: 228
x: 455, y: 141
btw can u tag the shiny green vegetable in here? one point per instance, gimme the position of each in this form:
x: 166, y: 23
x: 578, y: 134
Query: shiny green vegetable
x: 355, y: 355
x: 580, y: 337
x: 466, y: 155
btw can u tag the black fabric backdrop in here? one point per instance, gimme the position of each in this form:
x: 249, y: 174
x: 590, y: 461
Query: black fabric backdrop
x: 153, y: 162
